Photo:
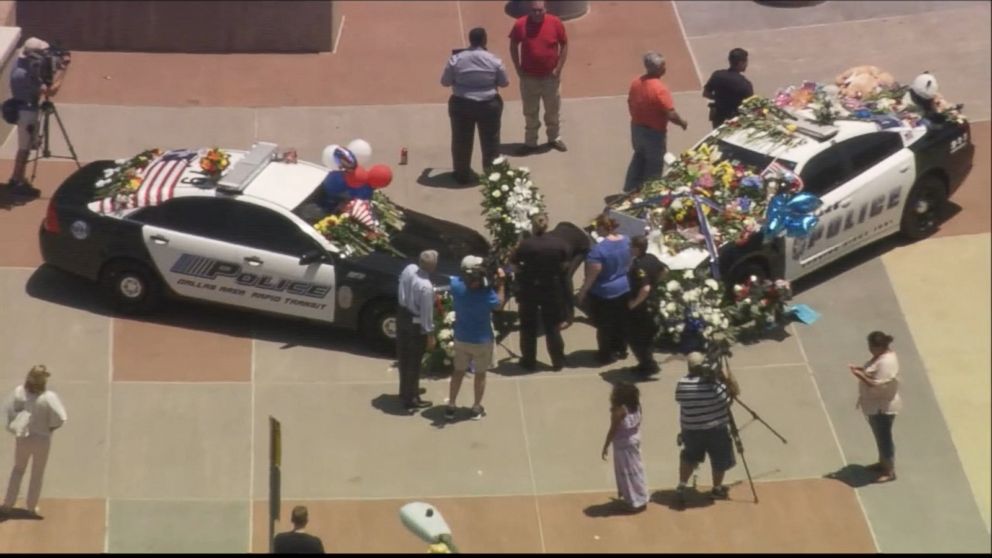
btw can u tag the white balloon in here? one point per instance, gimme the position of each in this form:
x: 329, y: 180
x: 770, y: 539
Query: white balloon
x: 327, y: 157
x: 362, y: 151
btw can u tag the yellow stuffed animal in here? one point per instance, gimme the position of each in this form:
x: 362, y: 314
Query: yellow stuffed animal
x: 863, y: 81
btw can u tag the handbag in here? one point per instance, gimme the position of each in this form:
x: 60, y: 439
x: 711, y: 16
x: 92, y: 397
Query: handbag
x: 11, y: 109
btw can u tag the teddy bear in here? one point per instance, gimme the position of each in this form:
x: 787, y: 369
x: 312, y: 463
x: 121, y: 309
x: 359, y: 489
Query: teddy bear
x: 863, y: 81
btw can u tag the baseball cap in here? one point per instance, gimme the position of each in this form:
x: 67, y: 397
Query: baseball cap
x: 33, y: 45
x: 471, y: 262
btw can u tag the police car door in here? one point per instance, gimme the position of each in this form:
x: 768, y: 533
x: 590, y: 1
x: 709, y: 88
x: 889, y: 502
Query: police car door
x: 860, y: 182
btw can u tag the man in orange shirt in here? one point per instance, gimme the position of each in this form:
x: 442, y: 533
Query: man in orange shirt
x: 651, y: 107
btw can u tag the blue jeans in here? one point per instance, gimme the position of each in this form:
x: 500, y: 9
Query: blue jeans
x: 881, y: 427
x: 648, y: 160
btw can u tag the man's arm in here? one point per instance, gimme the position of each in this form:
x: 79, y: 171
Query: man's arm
x: 677, y: 119
x: 708, y: 89
x: 502, y: 80
x: 515, y: 53
x: 642, y: 295
x: 592, y: 271
x: 562, y: 56
x: 448, y: 75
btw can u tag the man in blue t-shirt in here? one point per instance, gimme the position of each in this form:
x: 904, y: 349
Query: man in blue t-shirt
x: 474, y: 302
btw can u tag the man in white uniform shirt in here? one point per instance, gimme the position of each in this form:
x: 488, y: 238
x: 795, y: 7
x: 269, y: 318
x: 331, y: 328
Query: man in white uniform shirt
x: 415, y: 326
x: 33, y: 413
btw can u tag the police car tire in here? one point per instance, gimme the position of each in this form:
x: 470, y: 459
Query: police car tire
x: 374, y: 322
x: 930, y: 190
x: 131, y: 287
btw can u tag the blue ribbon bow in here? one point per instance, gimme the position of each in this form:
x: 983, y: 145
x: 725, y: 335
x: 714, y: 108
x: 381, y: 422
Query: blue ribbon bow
x: 791, y: 215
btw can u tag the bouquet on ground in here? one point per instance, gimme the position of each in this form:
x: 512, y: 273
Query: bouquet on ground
x: 509, y: 200
x: 121, y: 182
x: 760, y: 304
x: 441, y: 358
x: 214, y: 162
x: 690, y: 306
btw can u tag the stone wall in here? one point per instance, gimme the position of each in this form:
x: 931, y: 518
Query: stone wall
x: 218, y: 26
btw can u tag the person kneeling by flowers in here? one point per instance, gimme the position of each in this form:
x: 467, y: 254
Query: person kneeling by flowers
x: 474, y: 302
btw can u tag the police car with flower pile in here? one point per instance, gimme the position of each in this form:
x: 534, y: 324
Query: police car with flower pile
x: 875, y: 169
x: 247, y: 229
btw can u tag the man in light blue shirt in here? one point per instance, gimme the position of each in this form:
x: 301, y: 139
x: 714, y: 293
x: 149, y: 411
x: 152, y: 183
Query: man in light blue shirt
x: 415, y: 326
x: 474, y: 74
x: 474, y: 302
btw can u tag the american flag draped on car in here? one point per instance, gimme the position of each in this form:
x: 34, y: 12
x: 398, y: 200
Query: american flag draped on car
x: 158, y: 182
x: 361, y: 211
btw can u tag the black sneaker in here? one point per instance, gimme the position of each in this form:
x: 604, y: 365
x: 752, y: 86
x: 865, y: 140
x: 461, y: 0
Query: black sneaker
x: 680, y: 497
x: 528, y: 365
x: 478, y: 412
x: 449, y: 413
x: 418, y: 403
x: 719, y: 493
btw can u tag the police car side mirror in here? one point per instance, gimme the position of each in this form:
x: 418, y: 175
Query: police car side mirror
x: 314, y: 256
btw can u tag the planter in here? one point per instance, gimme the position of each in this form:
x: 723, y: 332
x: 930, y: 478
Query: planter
x: 564, y: 9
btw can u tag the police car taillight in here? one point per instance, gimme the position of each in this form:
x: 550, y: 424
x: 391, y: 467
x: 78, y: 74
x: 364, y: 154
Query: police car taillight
x: 51, y: 222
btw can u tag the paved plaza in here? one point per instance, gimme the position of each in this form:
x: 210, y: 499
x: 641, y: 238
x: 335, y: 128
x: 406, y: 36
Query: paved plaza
x: 166, y: 447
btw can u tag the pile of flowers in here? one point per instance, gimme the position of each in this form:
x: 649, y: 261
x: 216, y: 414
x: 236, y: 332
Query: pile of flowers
x: 760, y: 304
x: 762, y: 119
x: 509, y: 200
x: 689, y: 304
x: 732, y: 195
x: 121, y: 182
x: 441, y: 358
x: 214, y: 162
x: 826, y: 104
x: 356, y: 237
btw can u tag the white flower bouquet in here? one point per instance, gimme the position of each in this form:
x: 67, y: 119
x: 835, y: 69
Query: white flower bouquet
x: 509, y: 200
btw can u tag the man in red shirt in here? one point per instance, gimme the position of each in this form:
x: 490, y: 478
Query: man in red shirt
x: 651, y: 107
x: 539, y: 47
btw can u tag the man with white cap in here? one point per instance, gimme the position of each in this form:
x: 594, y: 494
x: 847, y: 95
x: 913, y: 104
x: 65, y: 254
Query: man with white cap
x: 704, y: 396
x: 474, y: 302
x: 26, y: 88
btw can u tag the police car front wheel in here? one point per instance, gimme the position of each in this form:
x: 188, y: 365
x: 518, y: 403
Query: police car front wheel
x: 924, y: 208
x: 130, y: 286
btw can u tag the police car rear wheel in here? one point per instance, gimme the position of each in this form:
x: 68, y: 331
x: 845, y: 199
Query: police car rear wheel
x: 131, y: 287
x: 921, y: 216
x: 743, y: 271
x: 379, y: 325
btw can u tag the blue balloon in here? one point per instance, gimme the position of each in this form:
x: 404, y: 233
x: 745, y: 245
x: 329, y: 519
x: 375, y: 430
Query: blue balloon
x: 803, y: 202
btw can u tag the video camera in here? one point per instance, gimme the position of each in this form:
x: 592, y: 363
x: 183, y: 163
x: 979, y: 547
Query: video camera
x: 47, y: 63
x: 486, y: 271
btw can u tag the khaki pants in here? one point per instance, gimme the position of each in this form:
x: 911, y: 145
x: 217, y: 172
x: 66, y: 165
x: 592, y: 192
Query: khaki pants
x: 532, y: 91
x: 34, y: 448
x: 479, y: 353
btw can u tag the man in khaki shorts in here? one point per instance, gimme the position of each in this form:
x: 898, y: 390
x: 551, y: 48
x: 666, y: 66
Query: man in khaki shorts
x: 474, y: 302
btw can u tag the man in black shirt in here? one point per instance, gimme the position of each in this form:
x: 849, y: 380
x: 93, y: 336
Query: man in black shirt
x: 645, y: 270
x: 727, y: 88
x: 541, y: 261
x: 297, y: 541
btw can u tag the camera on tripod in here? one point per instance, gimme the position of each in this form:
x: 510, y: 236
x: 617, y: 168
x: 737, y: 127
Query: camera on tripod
x: 47, y: 63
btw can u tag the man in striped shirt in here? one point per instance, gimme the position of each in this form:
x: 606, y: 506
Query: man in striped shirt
x: 704, y: 399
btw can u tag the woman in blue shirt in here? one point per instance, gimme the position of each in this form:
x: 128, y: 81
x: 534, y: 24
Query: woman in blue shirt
x: 607, y: 288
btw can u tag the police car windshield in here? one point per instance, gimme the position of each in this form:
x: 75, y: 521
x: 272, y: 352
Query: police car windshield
x: 731, y: 152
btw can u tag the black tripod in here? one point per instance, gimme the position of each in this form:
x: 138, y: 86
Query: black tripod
x: 44, y: 151
x: 735, y: 432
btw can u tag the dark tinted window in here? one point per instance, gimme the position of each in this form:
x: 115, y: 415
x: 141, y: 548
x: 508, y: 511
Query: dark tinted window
x: 229, y: 221
x: 826, y: 171
x: 731, y: 152
x: 870, y: 149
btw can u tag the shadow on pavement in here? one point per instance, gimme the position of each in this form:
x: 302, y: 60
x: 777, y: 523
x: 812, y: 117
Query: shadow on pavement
x: 625, y: 374
x: 864, y: 255
x: 9, y: 200
x: 612, y: 508
x: 693, y: 499
x: 391, y: 404
x: 15, y: 514
x: 855, y: 476
x: 444, y: 179
x: 58, y: 287
x: 519, y: 149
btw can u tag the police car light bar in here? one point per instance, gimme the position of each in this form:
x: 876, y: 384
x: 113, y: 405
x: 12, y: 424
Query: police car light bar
x: 245, y: 170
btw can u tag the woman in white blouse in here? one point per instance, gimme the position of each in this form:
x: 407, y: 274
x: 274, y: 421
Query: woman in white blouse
x: 33, y: 413
x: 878, y: 397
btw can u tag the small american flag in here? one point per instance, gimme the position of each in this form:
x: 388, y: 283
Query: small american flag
x: 361, y: 211
x: 775, y: 168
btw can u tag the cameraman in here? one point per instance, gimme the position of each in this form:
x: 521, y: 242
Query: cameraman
x: 704, y: 398
x: 474, y: 302
x: 27, y: 85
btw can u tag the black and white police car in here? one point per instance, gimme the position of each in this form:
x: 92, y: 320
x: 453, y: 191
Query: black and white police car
x: 873, y: 181
x: 245, y: 241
